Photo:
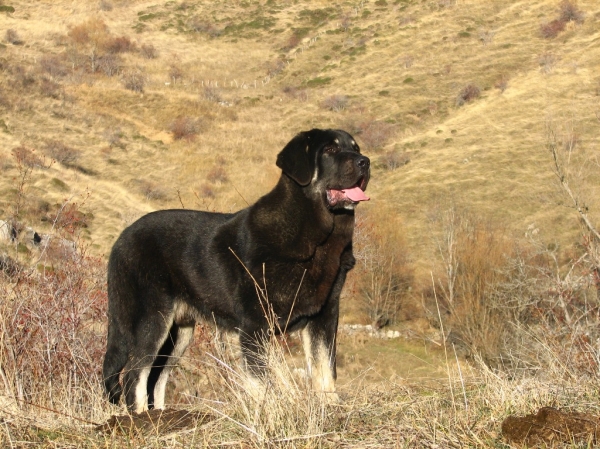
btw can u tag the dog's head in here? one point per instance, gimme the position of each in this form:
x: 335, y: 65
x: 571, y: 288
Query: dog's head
x: 329, y: 162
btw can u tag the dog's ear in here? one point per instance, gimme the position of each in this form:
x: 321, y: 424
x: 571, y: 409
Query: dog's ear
x: 296, y: 161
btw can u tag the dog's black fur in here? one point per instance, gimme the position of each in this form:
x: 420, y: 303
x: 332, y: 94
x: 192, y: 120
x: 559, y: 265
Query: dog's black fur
x: 173, y: 267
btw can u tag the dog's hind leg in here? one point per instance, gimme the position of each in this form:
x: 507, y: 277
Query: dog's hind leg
x: 115, y: 359
x: 175, y: 345
x: 151, y: 334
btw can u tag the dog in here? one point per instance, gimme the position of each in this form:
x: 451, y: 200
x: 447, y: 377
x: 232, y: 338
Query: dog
x: 171, y: 268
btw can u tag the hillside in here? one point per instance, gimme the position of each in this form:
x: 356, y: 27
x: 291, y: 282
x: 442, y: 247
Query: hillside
x: 111, y: 109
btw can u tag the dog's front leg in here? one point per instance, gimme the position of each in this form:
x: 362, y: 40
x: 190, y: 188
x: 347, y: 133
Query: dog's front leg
x: 319, y: 341
x: 320, y: 334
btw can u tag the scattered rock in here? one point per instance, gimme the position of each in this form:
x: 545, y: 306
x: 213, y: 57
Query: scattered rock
x: 368, y: 329
x: 550, y: 427
x: 155, y: 421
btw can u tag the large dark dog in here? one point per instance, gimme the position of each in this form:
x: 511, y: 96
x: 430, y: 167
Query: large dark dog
x: 173, y: 267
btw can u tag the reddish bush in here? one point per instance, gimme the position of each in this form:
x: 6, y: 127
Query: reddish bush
x: 27, y: 157
x: 121, y: 44
x: 217, y: 174
x: 185, y: 128
x: 552, y: 29
x: 93, y: 32
x: 51, y: 340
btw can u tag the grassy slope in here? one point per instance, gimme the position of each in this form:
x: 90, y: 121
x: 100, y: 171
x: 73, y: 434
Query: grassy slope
x: 488, y: 154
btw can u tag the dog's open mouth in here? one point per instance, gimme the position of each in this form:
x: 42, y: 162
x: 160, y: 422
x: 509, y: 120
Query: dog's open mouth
x: 353, y: 194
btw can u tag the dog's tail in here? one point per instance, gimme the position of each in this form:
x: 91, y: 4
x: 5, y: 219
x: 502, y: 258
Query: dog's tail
x: 114, y: 362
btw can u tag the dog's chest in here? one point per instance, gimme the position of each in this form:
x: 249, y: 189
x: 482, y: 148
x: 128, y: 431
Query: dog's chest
x: 307, y: 285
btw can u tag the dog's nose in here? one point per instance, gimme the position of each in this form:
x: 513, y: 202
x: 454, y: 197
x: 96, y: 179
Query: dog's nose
x: 363, y: 162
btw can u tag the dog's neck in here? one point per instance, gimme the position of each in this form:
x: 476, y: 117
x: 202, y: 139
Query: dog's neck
x: 287, y: 203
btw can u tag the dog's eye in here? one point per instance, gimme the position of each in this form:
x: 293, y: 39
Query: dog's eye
x: 332, y: 149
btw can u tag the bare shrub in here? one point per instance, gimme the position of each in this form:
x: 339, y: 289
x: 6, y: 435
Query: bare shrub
x: 296, y: 93
x: 110, y: 64
x: 211, y: 93
x: 51, y: 89
x: 23, y: 76
x: 552, y: 29
x: 474, y: 258
x: 50, y: 348
x: 275, y: 67
x: 570, y: 12
x: 468, y: 94
x: 547, y: 62
x: 151, y: 190
x: 502, y: 83
x: 335, y: 103
x: 12, y: 37
x: 185, y: 127
x: 114, y: 137
x: 105, y: 6
x: 203, y: 26
x: 61, y: 152
x: 175, y: 73
x: 384, y: 274
x: 148, y: 51
x: 54, y: 66
x: 373, y: 134
x: 391, y: 160
x: 134, y: 80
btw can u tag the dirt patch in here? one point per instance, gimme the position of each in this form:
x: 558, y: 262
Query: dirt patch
x: 550, y: 427
x: 155, y: 421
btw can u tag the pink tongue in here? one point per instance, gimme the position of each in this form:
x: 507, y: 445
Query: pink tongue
x: 356, y: 194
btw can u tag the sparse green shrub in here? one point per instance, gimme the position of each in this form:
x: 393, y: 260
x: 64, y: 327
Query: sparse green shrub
x: 7, y: 9
x: 468, y: 94
x: 408, y: 80
x: 319, y: 81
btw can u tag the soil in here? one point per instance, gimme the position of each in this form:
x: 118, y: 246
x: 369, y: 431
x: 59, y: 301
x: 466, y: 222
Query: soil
x: 155, y: 421
x: 551, y: 427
